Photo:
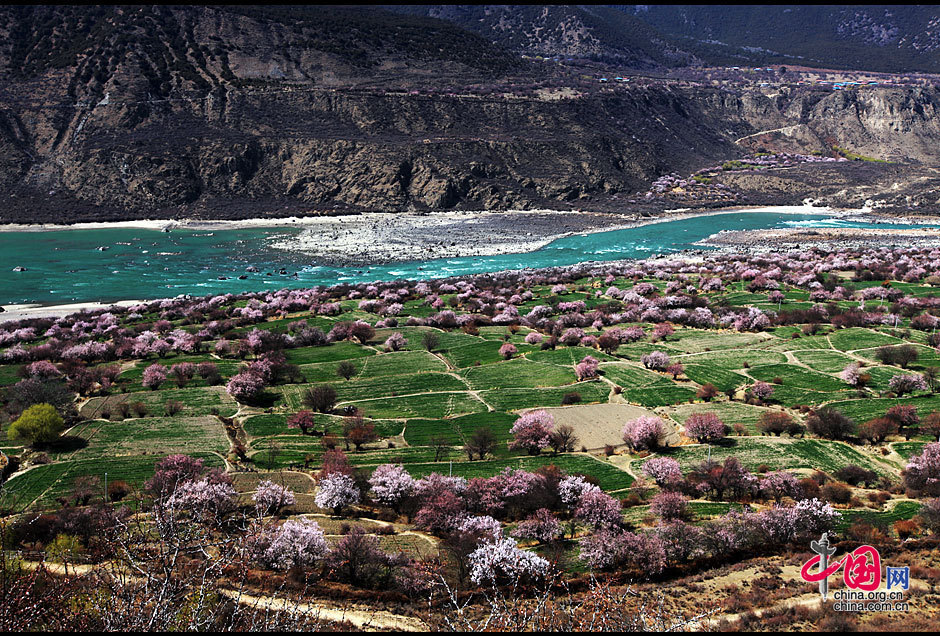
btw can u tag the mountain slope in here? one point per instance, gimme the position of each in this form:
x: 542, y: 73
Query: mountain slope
x: 136, y: 112
x: 888, y: 38
x: 593, y: 31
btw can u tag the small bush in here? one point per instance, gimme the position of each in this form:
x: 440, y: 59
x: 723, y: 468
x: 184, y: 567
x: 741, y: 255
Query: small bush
x: 320, y: 398
x: 346, y: 369
x: 570, y: 398
x: 906, y: 528
x: 836, y: 493
x: 430, y: 340
x: 41, y: 458
x: 140, y: 409
x: 631, y: 500
x: 118, y: 490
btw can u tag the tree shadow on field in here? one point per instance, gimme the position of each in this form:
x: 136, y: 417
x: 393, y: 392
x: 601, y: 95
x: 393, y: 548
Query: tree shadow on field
x: 66, y: 444
x: 725, y: 442
x: 266, y: 399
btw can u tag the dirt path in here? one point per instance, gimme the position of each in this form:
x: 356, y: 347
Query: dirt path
x: 613, y: 397
x: 624, y: 463
x: 443, y: 358
x: 784, y: 130
x: 476, y: 394
x: 236, y: 435
x: 811, y: 598
x: 359, y: 617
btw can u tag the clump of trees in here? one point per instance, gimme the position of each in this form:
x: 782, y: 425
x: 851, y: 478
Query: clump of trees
x: 704, y: 427
x: 321, y: 398
x: 39, y: 424
x: 899, y: 355
x: 829, y: 423
x: 532, y: 432
x: 777, y: 423
x: 644, y: 433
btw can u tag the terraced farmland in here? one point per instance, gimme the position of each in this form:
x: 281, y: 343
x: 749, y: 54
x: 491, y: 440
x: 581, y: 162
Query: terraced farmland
x: 424, y: 402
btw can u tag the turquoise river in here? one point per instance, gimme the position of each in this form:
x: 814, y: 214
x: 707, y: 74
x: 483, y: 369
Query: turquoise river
x: 67, y: 266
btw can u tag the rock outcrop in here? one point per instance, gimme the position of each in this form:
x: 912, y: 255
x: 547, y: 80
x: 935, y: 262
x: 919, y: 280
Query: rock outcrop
x: 219, y: 113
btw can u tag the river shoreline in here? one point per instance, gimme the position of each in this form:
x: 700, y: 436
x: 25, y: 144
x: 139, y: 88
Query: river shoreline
x: 782, y: 239
x: 36, y: 310
x: 521, y: 236
x: 388, y: 238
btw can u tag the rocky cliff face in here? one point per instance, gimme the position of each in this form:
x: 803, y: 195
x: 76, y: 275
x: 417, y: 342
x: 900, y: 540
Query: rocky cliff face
x: 889, y: 123
x: 225, y: 114
x: 324, y: 150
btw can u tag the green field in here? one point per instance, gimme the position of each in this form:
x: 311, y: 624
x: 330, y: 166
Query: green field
x: 825, y: 361
x: 515, y: 399
x: 435, y: 405
x: 40, y: 486
x: 900, y: 510
x: 421, y: 432
x: 781, y: 454
x: 730, y: 413
x: 424, y: 404
x: 519, y: 373
x: 734, y: 359
x: 859, y: 338
x: 610, y: 477
x: 866, y: 409
x: 723, y: 379
x: 195, y: 400
x: 149, y: 436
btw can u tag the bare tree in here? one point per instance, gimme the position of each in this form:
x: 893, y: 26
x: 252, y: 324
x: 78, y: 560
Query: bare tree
x: 552, y: 606
x: 441, y: 446
x: 481, y: 442
x: 563, y: 439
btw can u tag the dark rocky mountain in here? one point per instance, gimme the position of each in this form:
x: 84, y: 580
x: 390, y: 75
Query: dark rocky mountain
x: 586, y: 31
x: 135, y: 112
x: 890, y: 38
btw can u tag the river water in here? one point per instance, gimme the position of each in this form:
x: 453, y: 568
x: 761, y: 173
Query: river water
x: 67, y: 266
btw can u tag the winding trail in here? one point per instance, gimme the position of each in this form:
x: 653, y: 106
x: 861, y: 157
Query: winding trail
x: 785, y: 129
x: 358, y: 617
